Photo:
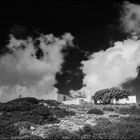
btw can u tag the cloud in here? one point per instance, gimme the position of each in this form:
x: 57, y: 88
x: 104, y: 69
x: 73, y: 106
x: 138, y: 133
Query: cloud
x: 77, y: 73
x: 22, y: 71
x: 112, y: 67
x: 130, y: 18
x: 118, y: 64
x: 76, y: 94
x: 68, y: 71
x: 18, y: 31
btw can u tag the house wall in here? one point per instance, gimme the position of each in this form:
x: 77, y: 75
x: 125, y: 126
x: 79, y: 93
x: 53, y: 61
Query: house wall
x: 61, y: 97
x: 76, y: 101
x: 52, y: 96
x: 69, y: 100
x: 57, y: 97
x: 130, y: 100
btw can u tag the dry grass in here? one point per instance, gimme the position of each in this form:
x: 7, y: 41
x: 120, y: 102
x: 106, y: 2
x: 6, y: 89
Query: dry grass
x: 104, y: 130
x: 126, y: 128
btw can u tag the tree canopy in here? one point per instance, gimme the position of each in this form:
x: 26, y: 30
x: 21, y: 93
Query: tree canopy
x: 106, y: 96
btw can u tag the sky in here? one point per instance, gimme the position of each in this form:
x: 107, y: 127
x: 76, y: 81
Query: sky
x: 68, y: 47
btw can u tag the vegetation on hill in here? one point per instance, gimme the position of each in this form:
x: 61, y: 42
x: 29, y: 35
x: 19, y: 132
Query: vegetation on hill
x: 7, y: 129
x: 28, y: 110
x: 50, y: 102
x: 127, y: 128
x: 109, y: 108
x: 124, y: 128
x: 95, y: 111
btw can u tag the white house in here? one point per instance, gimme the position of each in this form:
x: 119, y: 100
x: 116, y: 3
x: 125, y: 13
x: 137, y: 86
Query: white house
x: 77, y: 100
x: 130, y: 100
x: 58, y: 97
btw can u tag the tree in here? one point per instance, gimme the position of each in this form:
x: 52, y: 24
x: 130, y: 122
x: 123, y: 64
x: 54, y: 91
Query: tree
x: 106, y: 96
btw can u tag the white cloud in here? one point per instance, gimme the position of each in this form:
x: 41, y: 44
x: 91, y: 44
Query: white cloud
x: 76, y: 93
x: 22, y: 68
x: 118, y: 64
x: 130, y: 18
x: 112, y: 67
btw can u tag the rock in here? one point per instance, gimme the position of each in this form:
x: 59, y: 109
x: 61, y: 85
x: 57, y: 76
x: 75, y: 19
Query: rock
x: 25, y: 132
x: 32, y: 128
x: 45, y: 104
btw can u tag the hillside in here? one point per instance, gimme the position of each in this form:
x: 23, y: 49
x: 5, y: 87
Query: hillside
x: 29, y: 111
x: 26, y: 118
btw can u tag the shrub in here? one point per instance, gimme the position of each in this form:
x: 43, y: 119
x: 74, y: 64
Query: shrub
x: 57, y: 133
x: 130, y: 110
x: 111, y: 109
x: 86, y: 129
x: 22, y: 104
x: 40, y: 110
x: 132, y: 118
x: 135, y: 109
x: 125, y: 129
x: 90, y: 132
x: 51, y: 102
x: 95, y: 111
x: 85, y: 136
x: 26, y: 99
x: 32, y: 137
x: 28, y: 137
x: 61, y: 112
x: 124, y: 110
x: 23, y: 124
x: 103, y: 122
x: 7, y: 129
x: 114, y: 116
x: 37, y: 114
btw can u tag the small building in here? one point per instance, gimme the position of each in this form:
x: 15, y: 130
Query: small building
x: 62, y: 97
x: 75, y: 101
x: 58, y: 97
x: 130, y: 100
x: 78, y: 100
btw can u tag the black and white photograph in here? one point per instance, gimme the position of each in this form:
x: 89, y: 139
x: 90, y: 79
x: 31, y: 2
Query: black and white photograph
x: 69, y: 69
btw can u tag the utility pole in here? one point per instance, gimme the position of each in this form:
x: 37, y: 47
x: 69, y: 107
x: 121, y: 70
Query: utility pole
x: 20, y: 91
x: 19, y: 96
